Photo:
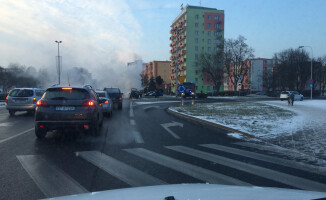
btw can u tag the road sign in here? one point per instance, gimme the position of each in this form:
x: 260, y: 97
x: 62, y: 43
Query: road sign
x: 311, y: 85
x: 181, y: 79
x: 311, y: 81
x: 181, y: 88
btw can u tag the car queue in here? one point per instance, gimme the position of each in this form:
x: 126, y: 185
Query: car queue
x: 63, y: 107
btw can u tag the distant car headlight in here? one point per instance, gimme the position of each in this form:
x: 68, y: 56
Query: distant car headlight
x: 182, y: 94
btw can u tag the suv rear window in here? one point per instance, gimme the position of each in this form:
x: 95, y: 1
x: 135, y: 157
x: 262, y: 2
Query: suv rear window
x: 100, y: 94
x: 60, y: 94
x: 21, y: 93
x: 112, y: 90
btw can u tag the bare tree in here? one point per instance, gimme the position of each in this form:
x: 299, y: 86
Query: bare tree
x: 212, y: 67
x: 237, y: 54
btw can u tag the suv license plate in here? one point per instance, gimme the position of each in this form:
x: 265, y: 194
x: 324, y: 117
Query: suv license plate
x: 65, y: 108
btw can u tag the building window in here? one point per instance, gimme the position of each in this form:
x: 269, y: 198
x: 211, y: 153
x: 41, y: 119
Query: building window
x: 216, y: 33
x: 215, y: 41
x: 216, y: 26
x: 209, y: 17
x: 208, y: 87
x: 216, y: 17
x: 214, y: 87
x: 203, y: 24
x: 208, y: 48
x: 196, y: 24
x: 202, y: 48
x: 208, y: 25
x: 197, y: 16
x: 215, y: 48
x: 196, y: 48
x: 196, y: 40
x: 196, y: 32
x: 196, y: 56
x: 209, y: 41
x: 196, y: 64
x: 208, y: 33
x: 196, y: 72
x: 196, y: 80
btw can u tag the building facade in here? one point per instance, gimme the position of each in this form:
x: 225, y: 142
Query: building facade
x: 194, y: 31
x: 159, y: 68
x: 256, y: 77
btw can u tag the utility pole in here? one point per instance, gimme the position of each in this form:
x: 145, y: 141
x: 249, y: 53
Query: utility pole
x: 311, y: 83
x: 59, y: 61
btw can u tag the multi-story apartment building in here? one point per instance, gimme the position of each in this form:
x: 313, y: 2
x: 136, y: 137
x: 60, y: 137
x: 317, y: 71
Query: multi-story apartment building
x: 159, y: 68
x: 256, y: 77
x: 194, y: 31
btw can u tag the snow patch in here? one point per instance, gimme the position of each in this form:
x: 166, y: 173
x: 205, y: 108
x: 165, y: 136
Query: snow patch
x: 235, y: 135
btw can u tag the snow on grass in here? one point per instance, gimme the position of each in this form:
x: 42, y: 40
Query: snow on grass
x: 260, y: 120
x: 235, y: 135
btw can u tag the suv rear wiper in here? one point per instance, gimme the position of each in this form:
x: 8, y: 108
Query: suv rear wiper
x: 59, y: 98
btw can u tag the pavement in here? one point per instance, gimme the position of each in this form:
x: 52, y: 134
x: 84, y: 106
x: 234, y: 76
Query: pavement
x: 140, y: 145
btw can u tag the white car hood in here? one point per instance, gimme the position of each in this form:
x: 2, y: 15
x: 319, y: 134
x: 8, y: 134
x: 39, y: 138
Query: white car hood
x: 196, y: 192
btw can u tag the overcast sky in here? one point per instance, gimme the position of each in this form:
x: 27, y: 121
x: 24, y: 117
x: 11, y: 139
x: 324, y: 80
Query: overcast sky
x: 96, y: 34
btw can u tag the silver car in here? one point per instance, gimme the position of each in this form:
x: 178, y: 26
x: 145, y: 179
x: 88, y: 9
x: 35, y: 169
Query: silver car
x: 23, y: 99
x: 107, y: 102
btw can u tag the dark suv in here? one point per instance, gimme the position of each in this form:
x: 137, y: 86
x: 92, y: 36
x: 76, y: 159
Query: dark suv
x: 68, y: 108
x: 116, y: 96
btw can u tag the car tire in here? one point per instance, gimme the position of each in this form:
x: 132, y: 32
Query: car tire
x: 11, y: 113
x: 40, y: 133
x: 281, y: 99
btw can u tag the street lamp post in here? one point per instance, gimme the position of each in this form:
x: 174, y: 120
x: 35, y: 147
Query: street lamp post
x: 310, y: 67
x: 59, y: 67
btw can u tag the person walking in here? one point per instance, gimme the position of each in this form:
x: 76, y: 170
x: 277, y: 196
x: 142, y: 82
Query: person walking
x: 291, y: 99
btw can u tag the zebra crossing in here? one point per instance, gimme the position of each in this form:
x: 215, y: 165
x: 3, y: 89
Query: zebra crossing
x: 53, y: 181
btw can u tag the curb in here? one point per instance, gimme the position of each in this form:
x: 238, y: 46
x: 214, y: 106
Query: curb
x: 204, y: 122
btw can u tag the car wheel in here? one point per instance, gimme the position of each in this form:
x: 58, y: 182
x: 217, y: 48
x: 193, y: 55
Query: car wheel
x: 111, y: 113
x: 40, y: 133
x: 281, y: 99
x: 11, y: 113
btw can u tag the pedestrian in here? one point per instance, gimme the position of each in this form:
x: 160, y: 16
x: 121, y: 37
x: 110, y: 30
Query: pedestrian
x: 291, y: 99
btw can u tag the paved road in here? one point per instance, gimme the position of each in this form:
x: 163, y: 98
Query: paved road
x: 139, y: 146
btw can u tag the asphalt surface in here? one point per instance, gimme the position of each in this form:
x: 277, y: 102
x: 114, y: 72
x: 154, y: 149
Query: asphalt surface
x: 140, y: 145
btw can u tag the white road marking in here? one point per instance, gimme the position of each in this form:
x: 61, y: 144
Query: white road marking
x: 138, y: 137
x: 266, y: 158
x: 14, y: 136
x: 131, y: 111
x: 4, y: 114
x: 6, y: 124
x: 132, y: 122
x: 185, y: 168
x: 120, y: 170
x: 52, y: 181
x: 167, y: 125
x: 287, y: 179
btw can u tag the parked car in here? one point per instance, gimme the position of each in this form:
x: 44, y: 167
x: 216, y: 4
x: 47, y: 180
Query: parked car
x: 152, y: 93
x: 68, y: 108
x: 297, y: 96
x: 116, y: 96
x: 107, y: 102
x: 134, y: 94
x: 23, y: 99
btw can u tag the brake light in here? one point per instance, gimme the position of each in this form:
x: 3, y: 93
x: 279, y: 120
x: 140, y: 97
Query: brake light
x: 106, y: 102
x: 66, y: 88
x: 34, y: 100
x: 6, y: 99
x: 41, y: 103
x: 120, y: 99
x: 21, y: 89
x: 89, y: 103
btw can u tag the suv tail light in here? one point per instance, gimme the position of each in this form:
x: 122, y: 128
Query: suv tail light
x: 34, y: 100
x: 6, y: 100
x: 106, y: 102
x: 41, y: 103
x: 120, y: 99
x: 88, y: 103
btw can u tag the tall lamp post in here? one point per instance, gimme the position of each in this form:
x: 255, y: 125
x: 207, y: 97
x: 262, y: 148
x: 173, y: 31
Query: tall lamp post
x: 59, y: 67
x: 310, y: 68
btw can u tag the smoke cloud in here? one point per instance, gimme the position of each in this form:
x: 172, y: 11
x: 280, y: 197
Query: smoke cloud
x: 98, y: 39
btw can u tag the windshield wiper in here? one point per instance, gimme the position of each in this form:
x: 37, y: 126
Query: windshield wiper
x: 59, y: 98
